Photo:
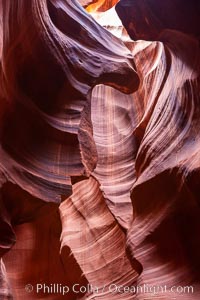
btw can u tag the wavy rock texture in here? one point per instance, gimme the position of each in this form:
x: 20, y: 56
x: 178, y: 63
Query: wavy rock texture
x: 89, y: 227
x: 122, y: 155
x: 61, y: 111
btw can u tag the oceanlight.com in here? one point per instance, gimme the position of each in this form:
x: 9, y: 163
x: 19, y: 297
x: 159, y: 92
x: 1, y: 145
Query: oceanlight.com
x: 56, y: 288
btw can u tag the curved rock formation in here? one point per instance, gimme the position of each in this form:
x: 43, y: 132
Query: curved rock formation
x: 46, y: 81
x: 89, y: 227
x: 146, y: 19
x: 104, y: 119
x: 58, y: 109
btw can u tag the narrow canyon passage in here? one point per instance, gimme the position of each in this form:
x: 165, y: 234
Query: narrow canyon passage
x: 99, y: 155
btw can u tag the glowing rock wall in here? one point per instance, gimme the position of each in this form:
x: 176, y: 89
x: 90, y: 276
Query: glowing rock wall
x: 100, y: 160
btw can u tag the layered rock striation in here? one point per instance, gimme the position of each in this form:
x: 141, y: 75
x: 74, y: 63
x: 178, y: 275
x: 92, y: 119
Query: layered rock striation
x: 99, y: 148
